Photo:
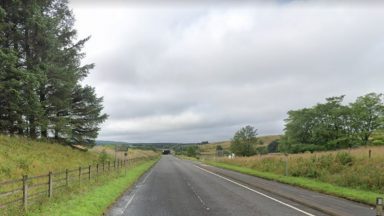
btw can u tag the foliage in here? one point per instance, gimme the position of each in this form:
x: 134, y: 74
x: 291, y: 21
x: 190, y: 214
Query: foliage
x: 262, y: 150
x: 41, y: 73
x: 103, y: 156
x: 187, y: 150
x: 332, y: 125
x: 219, y: 148
x: 367, y: 116
x: 244, y: 141
x: 273, y: 146
x: 192, y: 151
x: 353, y: 168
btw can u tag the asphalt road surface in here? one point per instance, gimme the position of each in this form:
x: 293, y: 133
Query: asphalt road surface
x: 175, y: 187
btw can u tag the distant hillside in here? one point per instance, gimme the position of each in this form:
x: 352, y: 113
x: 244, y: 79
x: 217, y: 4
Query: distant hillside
x: 107, y: 142
x: 210, y: 149
x: 155, y: 145
x: 19, y: 156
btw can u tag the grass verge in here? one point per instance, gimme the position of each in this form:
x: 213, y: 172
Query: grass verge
x: 97, y: 199
x: 366, y: 197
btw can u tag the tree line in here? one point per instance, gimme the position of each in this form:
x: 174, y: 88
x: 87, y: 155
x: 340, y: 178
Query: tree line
x: 334, y: 125
x: 324, y: 126
x: 41, y: 95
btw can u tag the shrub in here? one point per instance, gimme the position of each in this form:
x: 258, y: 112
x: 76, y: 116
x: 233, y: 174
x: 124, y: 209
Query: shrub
x: 23, y: 164
x: 273, y: 146
x: 344, y: 158
x: 301, y: 148
x: 262, y: 150
x: 103, y: 156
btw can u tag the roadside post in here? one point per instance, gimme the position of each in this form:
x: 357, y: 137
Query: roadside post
x: 125, y: 159
x: 286, y: 164
x: 379, y: 206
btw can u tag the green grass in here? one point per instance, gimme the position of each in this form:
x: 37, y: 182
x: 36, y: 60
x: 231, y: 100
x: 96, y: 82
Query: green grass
x: 97, y: 199
x: 19, y: 156
x: 366, y: 197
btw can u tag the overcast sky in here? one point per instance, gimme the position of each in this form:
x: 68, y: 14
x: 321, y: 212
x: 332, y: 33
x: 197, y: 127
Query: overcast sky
x: 195, y: 72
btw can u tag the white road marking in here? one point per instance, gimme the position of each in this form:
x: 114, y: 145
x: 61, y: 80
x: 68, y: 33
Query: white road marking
x: 197, y: 195
x: 255, y: 191
x: 133, y: 195
x: 129, y: 202
x: 145, y: 179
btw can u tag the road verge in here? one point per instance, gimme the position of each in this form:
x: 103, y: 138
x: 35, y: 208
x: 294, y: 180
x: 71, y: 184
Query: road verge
x: 361, y: 196
x: 97, y: 199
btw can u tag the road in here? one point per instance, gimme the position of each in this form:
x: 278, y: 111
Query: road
x: 175, y: 187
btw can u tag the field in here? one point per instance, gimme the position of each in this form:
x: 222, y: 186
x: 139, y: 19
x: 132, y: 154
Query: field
x: 210, y: 149
x: 346, y: 168
x: 131, y: 154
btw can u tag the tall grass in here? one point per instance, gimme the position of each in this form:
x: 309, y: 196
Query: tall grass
x: 346, y: 168
x: 20, y: 156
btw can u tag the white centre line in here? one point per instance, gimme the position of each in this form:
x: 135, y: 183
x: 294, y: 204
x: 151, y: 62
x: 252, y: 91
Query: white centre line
x: 258, y: 192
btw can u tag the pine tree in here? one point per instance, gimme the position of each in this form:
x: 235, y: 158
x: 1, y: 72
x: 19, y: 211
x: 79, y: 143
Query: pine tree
x: 86, y: 115
x: 40, y: 94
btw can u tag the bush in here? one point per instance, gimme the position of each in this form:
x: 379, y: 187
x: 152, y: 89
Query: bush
x: 262, y: 150
x: 301, y: 148
x: 192, y: 151
x: 344, y: 158
x: 305, y: 168
x: 273, y: 146
x: 103, y: 156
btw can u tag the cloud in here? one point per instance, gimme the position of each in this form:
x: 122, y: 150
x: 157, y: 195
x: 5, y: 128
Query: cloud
x: 196, y: 72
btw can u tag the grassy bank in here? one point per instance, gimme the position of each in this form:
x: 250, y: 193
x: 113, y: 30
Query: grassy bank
x: 93, y: 200
x: 348, y: 193
x: 347, y: 174
x: 132, y: 152
x: 345, y: 168
x: 22, y: 156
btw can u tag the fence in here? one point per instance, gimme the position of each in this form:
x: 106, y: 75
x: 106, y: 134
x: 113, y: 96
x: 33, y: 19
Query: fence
x: 30, y: 189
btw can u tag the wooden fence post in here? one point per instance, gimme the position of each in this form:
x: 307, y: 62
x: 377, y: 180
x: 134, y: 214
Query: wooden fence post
x: 66, y: 177
x: 103, y: 166
x: 25, y: 192
x: 109, y: 166
x: 97, y: 170
x: 125, y: 167
x: 114, y: 164
x: 89, y: 173
x: 79, y: 175
x: 50, y: 184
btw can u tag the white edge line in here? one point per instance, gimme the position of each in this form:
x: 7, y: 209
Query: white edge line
x: 262, y: 194
x: 129, y: 202
x: 145, y: 179
x: 133, y: 196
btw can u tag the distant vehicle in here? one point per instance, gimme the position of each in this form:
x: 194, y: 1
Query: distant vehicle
x: 166, y: 151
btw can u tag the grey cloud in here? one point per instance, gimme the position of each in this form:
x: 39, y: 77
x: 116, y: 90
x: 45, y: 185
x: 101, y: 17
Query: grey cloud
x: 199, y: 73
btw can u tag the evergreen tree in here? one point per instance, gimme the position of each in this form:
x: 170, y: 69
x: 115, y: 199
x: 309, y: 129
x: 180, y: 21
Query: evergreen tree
x: 40, y: 94
x: 86, y: 115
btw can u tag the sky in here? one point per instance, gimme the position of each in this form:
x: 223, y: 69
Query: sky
x: 193, y: 72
